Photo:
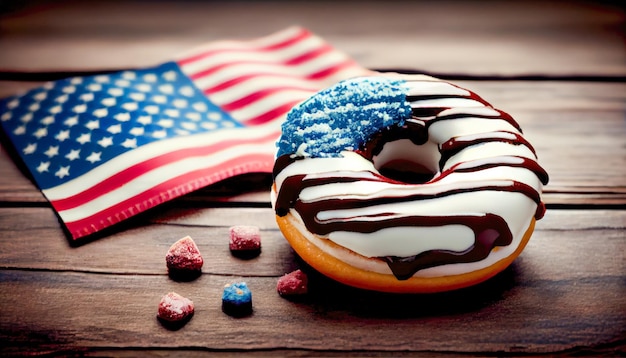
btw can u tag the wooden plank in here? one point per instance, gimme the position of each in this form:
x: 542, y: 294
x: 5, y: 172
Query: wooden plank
x: 566, y: 291
x: 482, y: 38
x: 577, y: 129
x: 139, y: 247
x: 11, y: 88
x: 53, y: 312
x: 15, y: 185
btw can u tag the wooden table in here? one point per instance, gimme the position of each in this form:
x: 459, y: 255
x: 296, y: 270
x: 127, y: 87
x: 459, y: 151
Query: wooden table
x: 558, y: 68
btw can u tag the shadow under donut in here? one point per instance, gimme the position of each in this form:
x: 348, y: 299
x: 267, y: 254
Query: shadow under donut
x: 327, y: 295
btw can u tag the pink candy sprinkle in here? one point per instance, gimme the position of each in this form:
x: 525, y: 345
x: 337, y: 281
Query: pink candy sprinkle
x: 184, y: 255
x: 292, y: 284
x: 175, y: 308
x: 245, y: 238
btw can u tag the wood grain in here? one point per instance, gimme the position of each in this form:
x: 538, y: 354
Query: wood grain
x: 565, y: 295
x: 577, y: 129
x: 545, y: 302
x: 542, y: 315
x: 140, y: 246
x: 499, y: 38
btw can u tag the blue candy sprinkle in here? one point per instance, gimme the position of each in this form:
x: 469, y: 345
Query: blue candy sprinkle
x: 343, y: 117
x: 237, y: 294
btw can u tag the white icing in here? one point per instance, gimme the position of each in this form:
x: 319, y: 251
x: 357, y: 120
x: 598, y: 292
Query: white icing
x: 380, y: 266
x: 436, y: 87
x: 521, y: 175
x: 487, y: 150
x: 502, y: 135
x: 442, y: 131
x: 450, y: 237
x: 446, y: 102
x: 472, y: 203
x: 350, y: 162
x: 476, y: 111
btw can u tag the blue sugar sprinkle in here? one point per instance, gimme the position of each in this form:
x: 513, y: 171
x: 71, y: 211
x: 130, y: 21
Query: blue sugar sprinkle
x: 344, y: 117
x: 237, y: 294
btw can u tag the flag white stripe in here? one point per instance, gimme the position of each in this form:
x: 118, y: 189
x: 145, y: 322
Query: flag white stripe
x: 300, y: 70
x: 268, y: 103
x: 151, y: 150
x: 277, y: 99
x: 234, y: 45
x: 159, y: 175
x: 273, y: 56
x: 257, y: 84
x: 261, y: 82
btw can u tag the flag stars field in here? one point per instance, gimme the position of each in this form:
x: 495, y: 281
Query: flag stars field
x: 106, y: 115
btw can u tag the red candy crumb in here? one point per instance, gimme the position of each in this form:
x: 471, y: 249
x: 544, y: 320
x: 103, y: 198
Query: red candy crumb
x: 293, y: 284
x: 175, y: 308
x: 184, y: 255
x: 245, y: 238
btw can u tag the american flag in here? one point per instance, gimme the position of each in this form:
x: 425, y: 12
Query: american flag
x: 105, y: 148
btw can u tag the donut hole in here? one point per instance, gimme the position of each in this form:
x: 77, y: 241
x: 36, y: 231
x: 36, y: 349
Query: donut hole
x: 402, y: 160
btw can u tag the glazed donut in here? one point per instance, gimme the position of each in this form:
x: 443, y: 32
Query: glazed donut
x: 405, y: 184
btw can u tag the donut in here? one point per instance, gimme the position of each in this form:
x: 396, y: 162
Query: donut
x: 405, y: 184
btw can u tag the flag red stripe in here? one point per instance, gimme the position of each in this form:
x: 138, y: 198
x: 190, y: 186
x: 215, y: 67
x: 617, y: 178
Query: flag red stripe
x: 327, y: 72
x: 237, y: 80
x: 331, y: 70
x: 272, y: 114
x: 301, y: 35
x: 309, y: 55
x: 118, y: 179
x: 258, y: 95
x: 168, y: 190
x: 210, y: 70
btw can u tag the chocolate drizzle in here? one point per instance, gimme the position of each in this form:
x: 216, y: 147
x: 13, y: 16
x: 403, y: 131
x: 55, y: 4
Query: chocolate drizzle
x: 292, y: 187
x: 489, y: 230
x: 283, y: 162
x: 416, y: 132
x: 405, y: 267
x: 457, y: 144
x: 524, y: 163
